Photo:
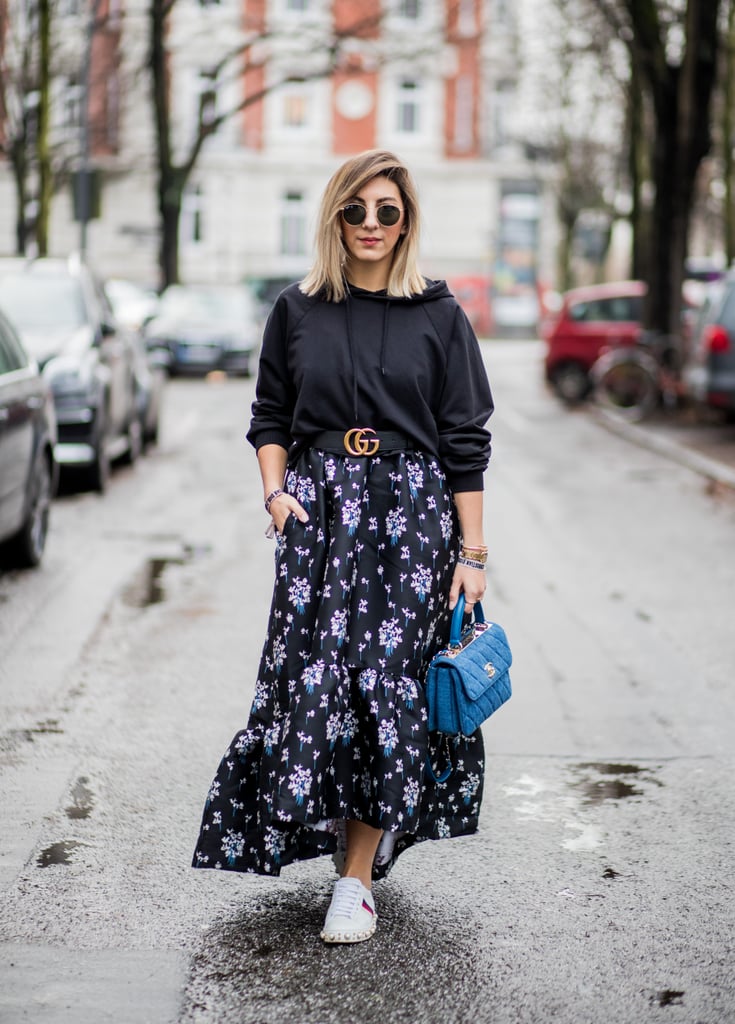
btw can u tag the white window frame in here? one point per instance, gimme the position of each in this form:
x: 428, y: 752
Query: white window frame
x: 292, y: 224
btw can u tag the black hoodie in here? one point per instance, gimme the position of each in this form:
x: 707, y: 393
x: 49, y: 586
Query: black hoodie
x: 411, y: 365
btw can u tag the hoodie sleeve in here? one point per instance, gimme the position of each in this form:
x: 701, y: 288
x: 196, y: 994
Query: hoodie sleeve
x: 464, y: 407
x: 275, y: 396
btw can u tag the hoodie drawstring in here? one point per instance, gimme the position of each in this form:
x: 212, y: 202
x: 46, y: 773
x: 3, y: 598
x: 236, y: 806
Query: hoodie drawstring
x: 351, y: 347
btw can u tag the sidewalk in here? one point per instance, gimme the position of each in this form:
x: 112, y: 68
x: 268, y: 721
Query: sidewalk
x: 706, y: 447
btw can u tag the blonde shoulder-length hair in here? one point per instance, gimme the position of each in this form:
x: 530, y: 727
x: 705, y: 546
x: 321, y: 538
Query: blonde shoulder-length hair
x: 326, y: 276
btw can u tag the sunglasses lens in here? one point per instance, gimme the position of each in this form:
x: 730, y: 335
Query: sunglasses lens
x: 388, y: 215
x: 354, y: 214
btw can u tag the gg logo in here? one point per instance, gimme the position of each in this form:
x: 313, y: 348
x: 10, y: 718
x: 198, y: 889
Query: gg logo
x: 357, y: 442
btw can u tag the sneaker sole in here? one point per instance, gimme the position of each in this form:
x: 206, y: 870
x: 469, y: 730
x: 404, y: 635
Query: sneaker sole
x: 345, y: 937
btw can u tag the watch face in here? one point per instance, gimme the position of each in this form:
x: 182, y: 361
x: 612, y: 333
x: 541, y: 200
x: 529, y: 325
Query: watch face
x: 354, y: 100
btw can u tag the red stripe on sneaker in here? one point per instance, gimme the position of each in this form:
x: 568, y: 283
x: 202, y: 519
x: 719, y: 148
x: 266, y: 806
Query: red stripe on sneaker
x: 366, y: 906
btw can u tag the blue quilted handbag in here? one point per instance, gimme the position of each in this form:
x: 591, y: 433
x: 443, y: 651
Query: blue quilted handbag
x: 468, y: 680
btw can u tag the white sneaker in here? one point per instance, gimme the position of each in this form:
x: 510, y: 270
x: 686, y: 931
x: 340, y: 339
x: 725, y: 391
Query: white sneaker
x: 351, y: 916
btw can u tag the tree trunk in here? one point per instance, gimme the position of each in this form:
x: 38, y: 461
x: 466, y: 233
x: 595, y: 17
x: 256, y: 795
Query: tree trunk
x: 45, y: 183
x: 727, y: 132
x: 19, y: 165
x: 681, y: 100
x: 638, y: 172
x: 170, y: 210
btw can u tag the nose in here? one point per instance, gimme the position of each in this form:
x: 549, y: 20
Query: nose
x: 371, y: 217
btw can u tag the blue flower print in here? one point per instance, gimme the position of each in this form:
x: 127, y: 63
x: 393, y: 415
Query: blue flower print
x: 233, y: 844
x: 299, y: 783
x: 390, y: 635
x: 421, y: 582
x: 351, y: 516
x: 395, y: 524
x: 299, y: 594
x: 387, y: 736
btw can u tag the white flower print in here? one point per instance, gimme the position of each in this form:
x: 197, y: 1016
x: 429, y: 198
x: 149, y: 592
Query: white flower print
x: 395, y: 524
x: 299, y: 782
x: 415, y: 478
x: 469, y: 787
x: 233, y: 844
x: 350, y: 725
x: 272, y: 734
x: 305, y: 491
x: 390, y: 635
x: 407, y: 690
x: 330, y: 468
x: 387, y: 736
x: 339, y: 625
x: 351, y: 516
x: 274, y: 843
x: 442, y: 828
x: 421, y: 582
x: 332, y: 728
x: 213, y: 792
x: 411, y: 795
x: 312, y: 675
x: 299, y: 593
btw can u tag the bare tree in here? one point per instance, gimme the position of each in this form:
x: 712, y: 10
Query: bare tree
x: 673, y: 50
x: 312, y: 57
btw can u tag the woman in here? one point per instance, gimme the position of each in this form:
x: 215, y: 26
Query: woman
x: 369, y: 430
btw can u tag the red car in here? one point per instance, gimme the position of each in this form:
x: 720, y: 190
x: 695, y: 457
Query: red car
x: 589, y: 320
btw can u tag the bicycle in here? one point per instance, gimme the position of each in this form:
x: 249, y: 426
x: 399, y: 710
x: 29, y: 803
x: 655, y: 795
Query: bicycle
x: 634, y: 380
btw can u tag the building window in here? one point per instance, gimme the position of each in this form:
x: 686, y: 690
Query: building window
x: 73, y: 95
x: 409, y: 103
x: 463, y: 114
x: 192, y: 208
x: 297, y: 6
x: 466, y: 25
x: 293, y: 225
x: 409, y: 9
x: 209, y: 3
x: 113, y: 111
x: 295, y: 110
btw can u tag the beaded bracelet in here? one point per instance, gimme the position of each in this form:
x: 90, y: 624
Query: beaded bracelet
x: 471, y: 563
x: 272, y: 497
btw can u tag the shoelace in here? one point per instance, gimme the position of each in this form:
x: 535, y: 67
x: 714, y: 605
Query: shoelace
x: 346, y: 898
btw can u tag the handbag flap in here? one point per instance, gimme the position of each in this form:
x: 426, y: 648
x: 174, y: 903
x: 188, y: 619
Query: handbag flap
x: 484, y: 660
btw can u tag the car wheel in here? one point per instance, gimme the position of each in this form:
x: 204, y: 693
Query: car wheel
x: 571, y: 382
x: 26, y: 548
x: 99, y: 472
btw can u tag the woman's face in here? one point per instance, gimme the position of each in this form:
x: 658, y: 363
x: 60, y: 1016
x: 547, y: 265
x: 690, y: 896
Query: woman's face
x: 370, y: 242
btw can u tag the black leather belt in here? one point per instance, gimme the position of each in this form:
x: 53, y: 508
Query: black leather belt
x: 360, y: 441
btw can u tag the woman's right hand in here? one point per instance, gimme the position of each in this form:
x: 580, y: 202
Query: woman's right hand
x: 285, y: 505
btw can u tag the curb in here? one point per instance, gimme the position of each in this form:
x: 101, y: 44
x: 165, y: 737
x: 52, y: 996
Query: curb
x: 706, y: 467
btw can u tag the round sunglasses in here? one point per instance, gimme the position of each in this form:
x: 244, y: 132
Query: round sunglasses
x: 355, y: 213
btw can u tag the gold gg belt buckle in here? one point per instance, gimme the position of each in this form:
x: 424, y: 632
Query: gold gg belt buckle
x: 358, y: 441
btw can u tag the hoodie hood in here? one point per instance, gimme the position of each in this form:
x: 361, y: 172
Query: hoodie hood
x: 434, y: 290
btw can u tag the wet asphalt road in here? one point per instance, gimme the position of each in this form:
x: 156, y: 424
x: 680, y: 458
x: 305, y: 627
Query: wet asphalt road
x: 600, y: 886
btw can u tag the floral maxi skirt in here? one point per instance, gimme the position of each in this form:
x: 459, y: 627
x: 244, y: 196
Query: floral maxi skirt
x: 338, y: 726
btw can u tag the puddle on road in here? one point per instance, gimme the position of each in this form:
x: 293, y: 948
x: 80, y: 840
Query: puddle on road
x: 599, y: 782
x: 147, y: 586
x: 669, y: 997
x: 82, y: 800
x: 57, y: 853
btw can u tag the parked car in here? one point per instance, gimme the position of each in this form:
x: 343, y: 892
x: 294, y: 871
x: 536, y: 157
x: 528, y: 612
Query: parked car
x: 134, y: 306
x: 709, y: 370
x: 27, y: 438
x: 67, y: 325
x: 588, y: 320
x: 206, y: 328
